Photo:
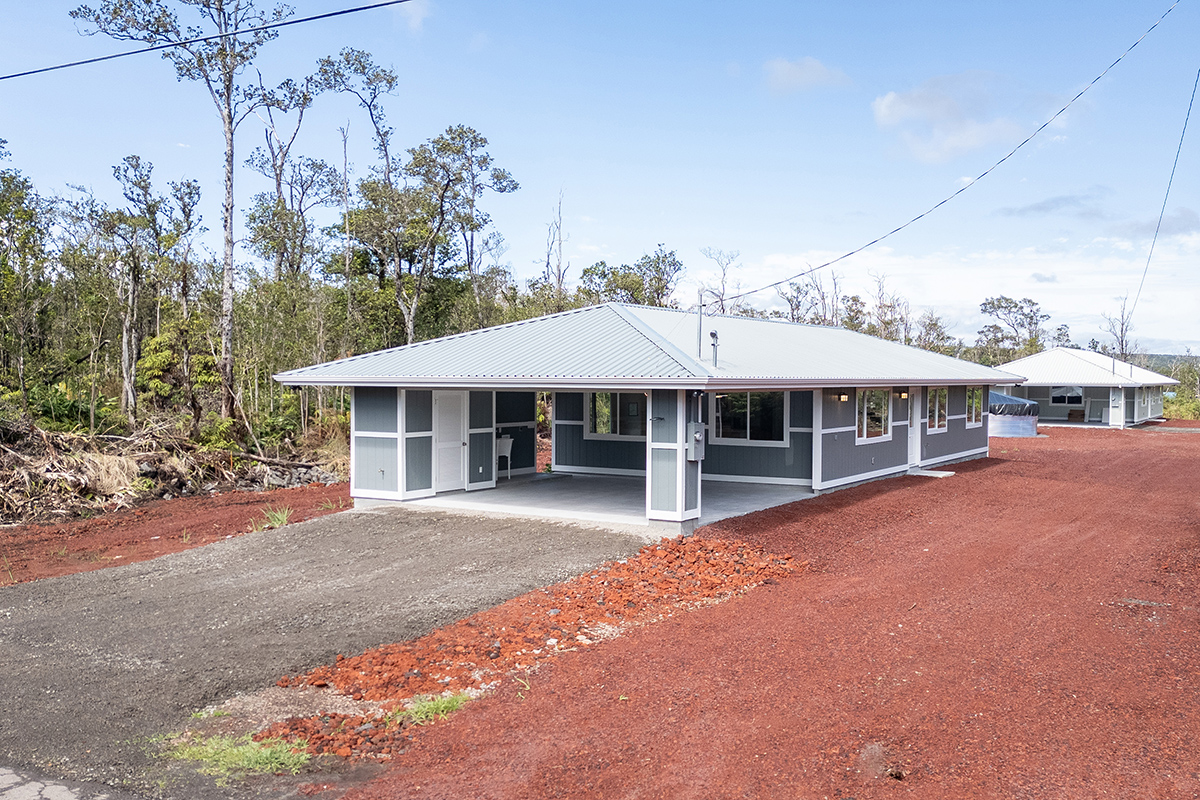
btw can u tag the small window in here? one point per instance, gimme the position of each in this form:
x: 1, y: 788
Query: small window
x: 1145, y: 396
x: 616, y: 414
x: 1066, y: 396
x: 937, y: 409
x: 974, y: 406
x: 874, y: 414
x: 749, y: 416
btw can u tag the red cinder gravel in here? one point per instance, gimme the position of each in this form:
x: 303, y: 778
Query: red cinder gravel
x: 1024, y: 629
x: 476, y: 653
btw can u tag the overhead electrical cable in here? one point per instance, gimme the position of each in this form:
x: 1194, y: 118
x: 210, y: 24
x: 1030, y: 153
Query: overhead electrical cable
x: 1162, y: 212
x: 198, y: 39
x: 982, y: 175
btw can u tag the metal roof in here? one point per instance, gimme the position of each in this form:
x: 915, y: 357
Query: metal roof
x: 622, y: 346
x: 1064, y: 366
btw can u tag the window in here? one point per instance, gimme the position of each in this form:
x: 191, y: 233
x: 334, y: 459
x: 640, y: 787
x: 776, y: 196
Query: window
x: 1066, y: 396
x: 874, y: 414
x: 613, y: 414
x: 974, y: 406
x: 1145, y: 396
x: 936, y: 401
x: 749, y: 416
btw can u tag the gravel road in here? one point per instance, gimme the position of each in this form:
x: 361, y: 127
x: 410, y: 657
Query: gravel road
x: 92, y: 666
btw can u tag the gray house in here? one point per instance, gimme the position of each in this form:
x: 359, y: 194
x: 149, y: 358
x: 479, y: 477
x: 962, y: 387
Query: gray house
x: 677, y: 400
x: 1085, y: 387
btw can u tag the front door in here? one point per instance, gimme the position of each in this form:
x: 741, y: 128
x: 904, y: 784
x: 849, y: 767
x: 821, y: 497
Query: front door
x: 916, y: 419
x: 449, y: 440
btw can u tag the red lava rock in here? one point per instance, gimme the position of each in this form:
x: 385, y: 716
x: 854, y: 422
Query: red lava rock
x: 476, y: 652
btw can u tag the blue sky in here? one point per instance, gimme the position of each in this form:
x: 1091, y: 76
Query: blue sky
x: 790, y: 131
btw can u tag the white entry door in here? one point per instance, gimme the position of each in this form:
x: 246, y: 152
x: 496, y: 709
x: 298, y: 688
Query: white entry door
x: 449, y: 441
x: 916, y: 419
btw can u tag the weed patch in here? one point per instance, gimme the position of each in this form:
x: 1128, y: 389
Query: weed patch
x: 427, y: 708
x: 235, y: 757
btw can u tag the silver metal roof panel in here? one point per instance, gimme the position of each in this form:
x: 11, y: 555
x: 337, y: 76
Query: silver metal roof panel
x: 1064, y: 366
x: 618, y: 346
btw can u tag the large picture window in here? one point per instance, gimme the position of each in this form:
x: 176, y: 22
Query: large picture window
x: 936, y: 403
x: 874, y: 413
x: 1066, y: 396
x: 616, y: 414
x: 749, y: 416
x: 974, y: 406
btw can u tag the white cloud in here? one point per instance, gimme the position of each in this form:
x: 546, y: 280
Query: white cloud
x: 414, y: 13
x: 946, y: 117
x: 786, y: 77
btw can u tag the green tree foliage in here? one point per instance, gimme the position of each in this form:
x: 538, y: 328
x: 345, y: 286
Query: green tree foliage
x: 649, y: 282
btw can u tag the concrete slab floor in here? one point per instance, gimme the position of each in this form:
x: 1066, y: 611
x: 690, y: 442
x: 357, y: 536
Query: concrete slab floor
x: 615, y: 502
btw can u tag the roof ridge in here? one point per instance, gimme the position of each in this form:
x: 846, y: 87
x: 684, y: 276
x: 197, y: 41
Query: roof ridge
x: 651, y: 335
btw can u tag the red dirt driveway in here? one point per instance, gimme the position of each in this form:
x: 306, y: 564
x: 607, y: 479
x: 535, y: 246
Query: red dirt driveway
x: 1024, y: 629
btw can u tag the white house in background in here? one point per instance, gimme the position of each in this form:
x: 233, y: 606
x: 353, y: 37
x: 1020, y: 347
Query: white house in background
x: 1087, y: 387
x: 660, y: 394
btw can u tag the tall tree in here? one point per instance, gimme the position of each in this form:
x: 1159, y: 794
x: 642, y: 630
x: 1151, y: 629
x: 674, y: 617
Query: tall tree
x: 1022, y: 318
x: 218, y: 64
x: 25, y: 222
x: 1120, y: 327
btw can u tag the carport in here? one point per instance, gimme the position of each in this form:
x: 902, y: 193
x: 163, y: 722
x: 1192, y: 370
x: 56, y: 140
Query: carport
x: 606, y: 501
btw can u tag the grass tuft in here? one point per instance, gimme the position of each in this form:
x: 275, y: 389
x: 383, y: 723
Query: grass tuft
x: 277, y: 517
x: 425, y: 709
x: 230, y: 757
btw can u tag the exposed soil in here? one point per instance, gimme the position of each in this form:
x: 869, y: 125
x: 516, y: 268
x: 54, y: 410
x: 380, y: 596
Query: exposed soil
x: 30, y: 552
x: 1025, y: 629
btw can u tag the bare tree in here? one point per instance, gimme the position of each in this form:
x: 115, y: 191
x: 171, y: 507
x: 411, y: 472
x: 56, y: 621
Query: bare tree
x: 554, y: 274
x: 1120, y: 328
x: 216, y: 63
x: 725, y: 260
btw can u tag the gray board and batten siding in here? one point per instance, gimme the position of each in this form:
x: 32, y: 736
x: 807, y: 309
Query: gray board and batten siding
x: 379, y: 446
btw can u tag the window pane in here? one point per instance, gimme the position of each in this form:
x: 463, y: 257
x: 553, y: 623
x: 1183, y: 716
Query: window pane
x: 937, y: 409
x: 632, y: 417
x: 731, y: 416
x: 601, y: 418
x: 941, y: 420
x: 877, y: 413
x: 1067, y: 395
x: 766, y: 416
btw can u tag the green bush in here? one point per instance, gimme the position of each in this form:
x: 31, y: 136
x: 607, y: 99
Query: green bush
x: 1181, y: 408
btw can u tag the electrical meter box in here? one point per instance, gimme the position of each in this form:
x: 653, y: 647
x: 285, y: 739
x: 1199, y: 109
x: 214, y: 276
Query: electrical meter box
x: 695, y: 441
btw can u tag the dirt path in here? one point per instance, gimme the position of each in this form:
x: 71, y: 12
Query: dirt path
x: 1025, y: 629
x: 94, y: 663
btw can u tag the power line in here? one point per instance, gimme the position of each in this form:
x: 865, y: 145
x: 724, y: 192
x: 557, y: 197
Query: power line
x: 1163, y: 210
x: 199, y: 39
x: 982, y: 175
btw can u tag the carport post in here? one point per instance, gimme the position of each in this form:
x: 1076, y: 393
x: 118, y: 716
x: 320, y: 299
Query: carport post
x: 672, y: 482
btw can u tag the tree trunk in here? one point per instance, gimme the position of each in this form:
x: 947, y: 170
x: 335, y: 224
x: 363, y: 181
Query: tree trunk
x: 226, y: 321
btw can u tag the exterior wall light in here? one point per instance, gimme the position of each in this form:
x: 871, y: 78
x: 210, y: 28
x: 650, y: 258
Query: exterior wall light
x: 903, y: 395
x: 843, y: 397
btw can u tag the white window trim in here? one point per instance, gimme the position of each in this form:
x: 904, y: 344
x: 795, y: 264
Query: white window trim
x: 711, y: 425
x: 611, y: 437
x: 929, y: 390
x: 886, y: 437
x: 971, y: 424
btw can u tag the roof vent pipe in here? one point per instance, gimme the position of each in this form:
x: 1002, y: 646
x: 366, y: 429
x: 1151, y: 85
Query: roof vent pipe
x: 699, y: 323
x: 713, y: 335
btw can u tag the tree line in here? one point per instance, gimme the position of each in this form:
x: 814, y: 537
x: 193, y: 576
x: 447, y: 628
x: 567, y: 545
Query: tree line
x: 112, y: 313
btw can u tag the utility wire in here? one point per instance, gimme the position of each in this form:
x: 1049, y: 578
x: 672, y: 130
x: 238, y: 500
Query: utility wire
x: 199, y: 39
x: 1163, y: 210
x: 982, y: 175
